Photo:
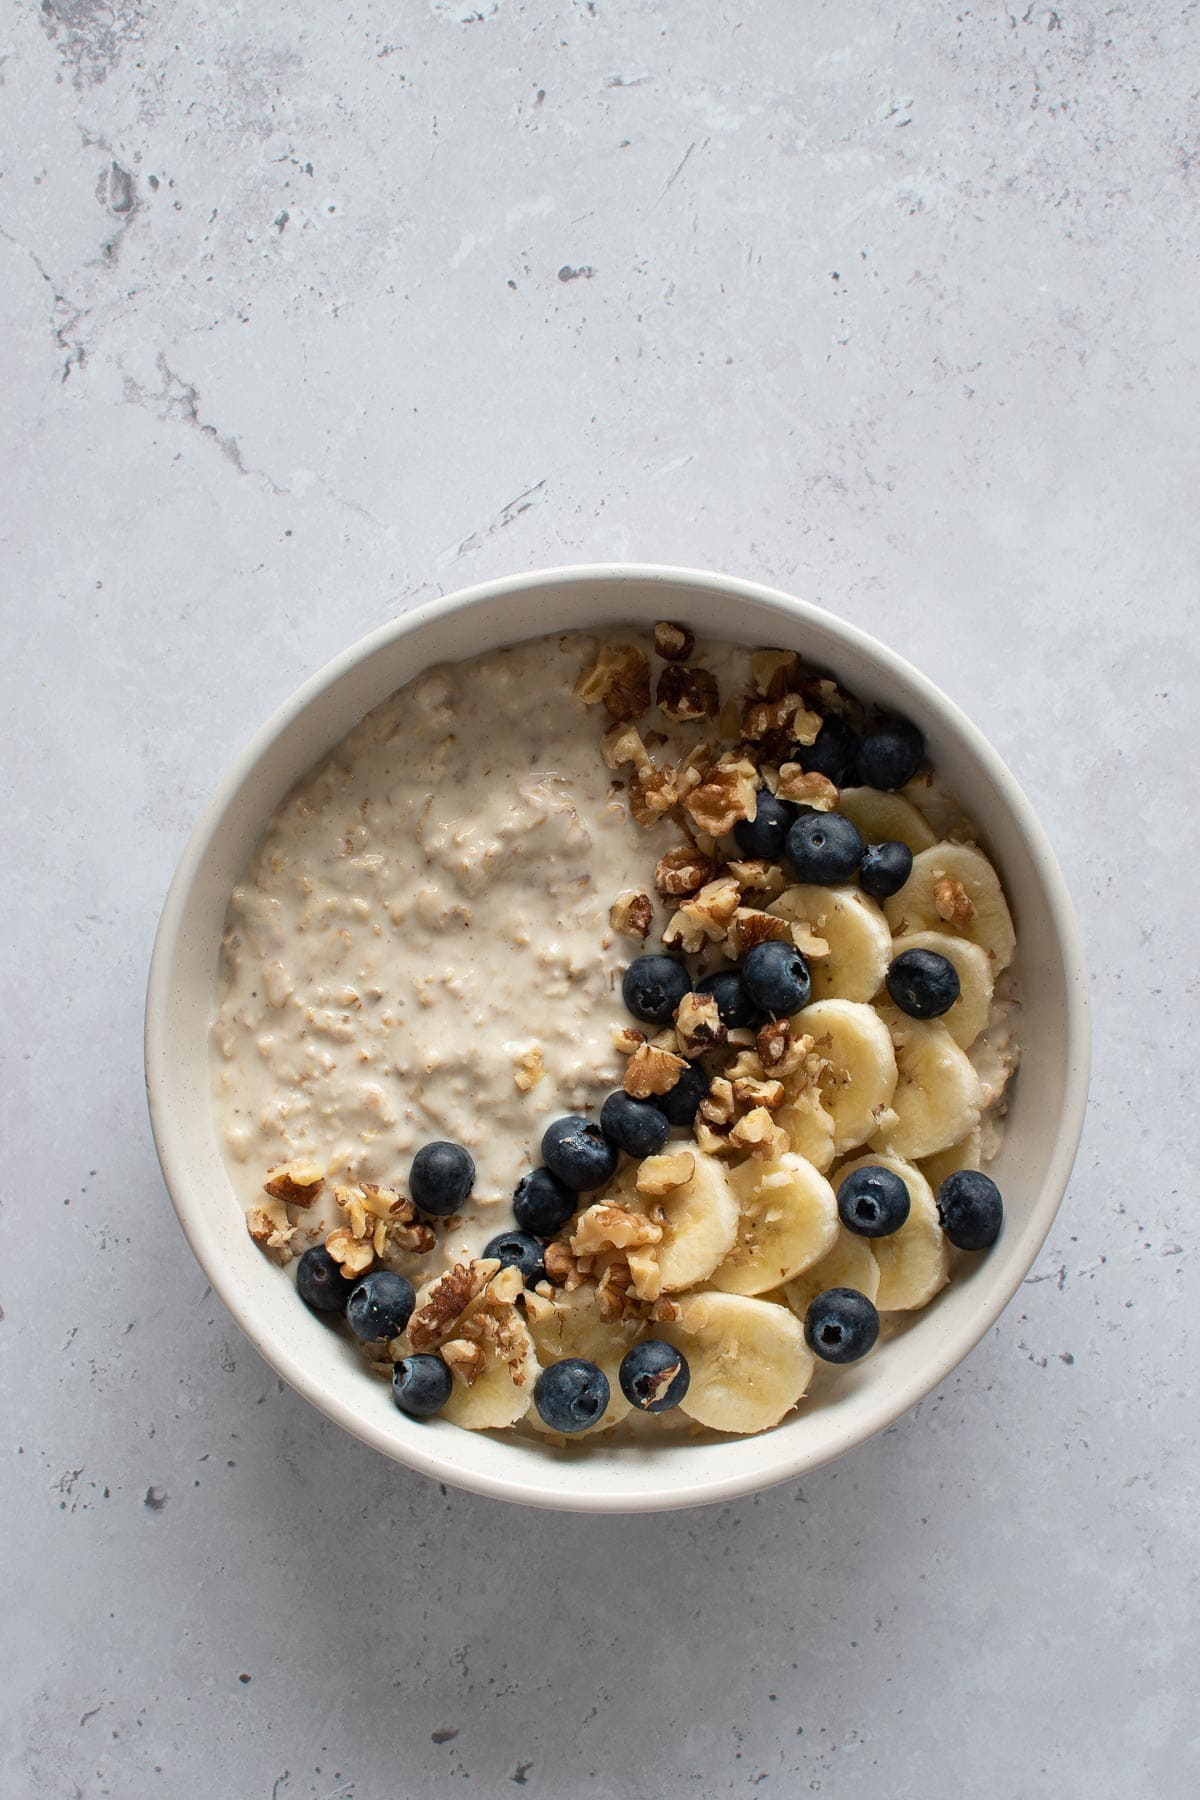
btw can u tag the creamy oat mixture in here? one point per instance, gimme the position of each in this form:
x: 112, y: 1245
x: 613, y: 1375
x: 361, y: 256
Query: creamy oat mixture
x: 429, y: 944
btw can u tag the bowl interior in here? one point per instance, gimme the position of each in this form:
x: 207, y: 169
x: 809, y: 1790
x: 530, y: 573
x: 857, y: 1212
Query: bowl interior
x: 1043, y: 1126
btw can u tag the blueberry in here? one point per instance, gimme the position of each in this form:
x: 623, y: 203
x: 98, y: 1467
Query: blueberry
x: 832, y: 753
x: 873, y: 1202
x: 653, y: 986
x: 682, y: 1102
x: 421, y: 1386
x: 922, y: 983
x: 571, y: 1395
x: 517, y: 1250
x: 885, y: 868
x: 320, y: 1282
x: 542, y: 1203
x: 776, y: 977
x: 634, y: 1126
x: 889, y: 757
x: 654, y: 1376
x: 971, y: 1209
x: 841, y: 1325
x: 380, y: 1306
x: 441, y: 1178
x: 733, y: 1002
x: 823, y: 848
x: 764, y: 835
x: 577, y: 1151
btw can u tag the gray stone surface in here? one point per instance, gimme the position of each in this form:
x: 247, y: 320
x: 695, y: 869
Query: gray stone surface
x: 310, y: 314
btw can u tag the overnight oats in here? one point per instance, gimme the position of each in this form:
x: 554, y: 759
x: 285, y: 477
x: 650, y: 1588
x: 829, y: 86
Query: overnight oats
x: 612, y: 1030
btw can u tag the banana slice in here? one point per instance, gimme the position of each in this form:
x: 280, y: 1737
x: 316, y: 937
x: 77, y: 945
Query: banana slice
x: 788, y: 1222
x: 503, y: 1392
x: 572, y: 1325
x: 966, y: 1154
x: 963, y: 879
x: 849, y: 1264
x: 860, y: 1077
x: 809, y: 1126
x: 937, y: 1099
x: 969, y: 1014
x: 914, y: 1262
x: 699, y: 1220
x: 858, y: 935
x: 748, y: 1359
x: 886, y: 818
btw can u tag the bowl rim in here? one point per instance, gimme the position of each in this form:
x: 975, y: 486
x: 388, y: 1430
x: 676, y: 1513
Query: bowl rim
x: 945, y: 1356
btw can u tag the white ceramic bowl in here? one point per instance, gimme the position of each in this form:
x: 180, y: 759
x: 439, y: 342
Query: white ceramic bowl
x: 1043, y: 1126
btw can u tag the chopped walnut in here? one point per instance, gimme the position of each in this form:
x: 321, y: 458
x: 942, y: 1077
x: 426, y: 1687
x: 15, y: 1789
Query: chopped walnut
x: 807, y: 939
x: 270, y: 1228
x: 659, y: 1175
x: 754, y: 876
x: 622, y: 745
x: 778, y: 723
x: 464, y: 1359
x: 953, y: 902
x: 758, y: 1133
x: 674, y: 643
x: 605, y: 1226
x: 774, y: 672
x: 620, y: 677
x: 652, y: 792
x: 749, y: 927
x: 448, y: 1300
x: 694, y: 767
x: 772, y: 1042
x: 561, y: 1268
x: 354, y: 1256
x: 530, y: 1069
x: 384, y: 1203
x: 750, y: 1092
x: 727, y: 793
x: 698, y: 1024
x: 684, y: 933
x: 712, y: 1141
x: 827, y: 697
x: 804, y: 789
x: 666, y: 1312
x: 632, y: 914
x: 646, y: 1274
x: 297, y: 1182
x: 682, y: 871
x: 717, y: 1107
x: 627, y: 1039
x: 709, y: 912
x: 687, y: 694
x: 650, y: 1071
x: 613, y: 1290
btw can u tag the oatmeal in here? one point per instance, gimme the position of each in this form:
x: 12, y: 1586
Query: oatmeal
x: 619, y: 1026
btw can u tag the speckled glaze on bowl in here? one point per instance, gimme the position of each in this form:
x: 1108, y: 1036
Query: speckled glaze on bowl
x: 1044, y: 1122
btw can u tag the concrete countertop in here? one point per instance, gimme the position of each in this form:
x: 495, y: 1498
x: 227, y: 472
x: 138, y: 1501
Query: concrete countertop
x: 310, y: 315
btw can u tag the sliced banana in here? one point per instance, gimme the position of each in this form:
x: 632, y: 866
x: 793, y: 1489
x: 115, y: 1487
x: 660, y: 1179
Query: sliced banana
x: 966, y: 1154
x: 788, y: 1221
x: 748, y: 1359
x: 937, y: 1099
x: 886, y: 818
x: 860, y: 1074
x: 969, y: 1014
x: 955, y: 874
x: 809, y: 1126
x: 858, y: 935
x: 572, y: 1325
x: 699, y: 1220
x: 914, y: 1262
x: 849, y: 1264
x: 503, y: 1392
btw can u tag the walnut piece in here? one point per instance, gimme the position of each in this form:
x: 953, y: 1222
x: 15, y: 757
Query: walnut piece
x: 674, y: 643
x: 780, y: 722
x: 774, y: 672
x: 749, y: 927
x: 270, y: 1229
x: 620, y: 677
x: 758, y: 1133
x: 350, y: 1252
x: 727, y: 793
x: 622, y: 746
x: 448, y: 1299
x: 686, y: 694
x: 712, y: 909
x: 652, y: 792
x: 771, y: 1042
x: 658, y: 1175
x: 464, y: 1359
x: 717, y: 1107
x: 754, y: 876
x: 561, y: 1268
x: 632, y: 914
x: 627, y: 1039
x: 530, y: 1069
x: 682, y: 871
x: 808, y: 789
x: 605, y: 1226
x: 297, y: 1182
x: 807, y: 939
x: 650, y: 1071
x: 698, y: 1024
x: 750, y: 1092
x: 953, y: 902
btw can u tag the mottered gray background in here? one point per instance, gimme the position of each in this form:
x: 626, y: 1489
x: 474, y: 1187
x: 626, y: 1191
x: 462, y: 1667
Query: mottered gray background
x: 312, y: 313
